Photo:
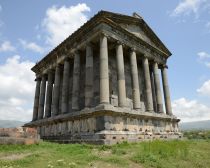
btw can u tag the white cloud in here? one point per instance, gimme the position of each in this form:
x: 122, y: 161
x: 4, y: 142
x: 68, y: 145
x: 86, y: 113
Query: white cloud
x: 203, y: 55
x: 186, y: 7
x: 6, y: 46
x: 204, y: 58
x: 16, y: 89
x: 31, y: 46
x: 59, y: 23
x: 207, y: 64
x: 190, y: 110
x: 205, y: 88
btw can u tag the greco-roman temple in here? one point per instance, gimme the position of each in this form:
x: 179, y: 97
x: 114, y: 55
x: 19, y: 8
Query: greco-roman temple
x: 106, y: 83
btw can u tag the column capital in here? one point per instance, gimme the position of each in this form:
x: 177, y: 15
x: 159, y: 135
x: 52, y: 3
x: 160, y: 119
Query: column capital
x: 89, y: 43
x: 164, y: 66
x: 118, y: 42
x: 44, y: 75
x: 50, y: 70
x: 76, y: 52
x: 66, y: 58
x: 104, y: 34
x: 132, y: 49
x: 38, y: 78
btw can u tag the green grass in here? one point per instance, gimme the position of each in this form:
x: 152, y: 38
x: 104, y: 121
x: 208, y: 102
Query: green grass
x: 198, y: 134
x: 160, y: 154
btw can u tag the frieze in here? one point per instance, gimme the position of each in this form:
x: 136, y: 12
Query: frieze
x: 151, y: 54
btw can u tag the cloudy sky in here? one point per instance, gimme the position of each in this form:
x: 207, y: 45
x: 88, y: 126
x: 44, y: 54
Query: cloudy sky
x: 30, y: 29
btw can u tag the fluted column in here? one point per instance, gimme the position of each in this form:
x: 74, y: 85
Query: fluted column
x: 166, y: 91
x: 157, y: 88
x: 49, y: 94
x: 70, y: 85
x: 42, y: 98
x: 36, y: 99
x: 104, y: 71
x: 153, y: 89
x: 56, y: 90
x: 89, y: 76
x: 120, y: 75
x: 76, y: 82
x: 65, y: 86
x: 149, y: 101
x: 135, y: 80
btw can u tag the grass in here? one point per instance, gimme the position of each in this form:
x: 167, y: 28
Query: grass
x: 198, y: 134
x: 159, y: 154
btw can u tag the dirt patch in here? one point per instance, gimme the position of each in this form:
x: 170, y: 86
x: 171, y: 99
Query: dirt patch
x: 15, y: 156
x: 99, y: 164
x: 102, y: 153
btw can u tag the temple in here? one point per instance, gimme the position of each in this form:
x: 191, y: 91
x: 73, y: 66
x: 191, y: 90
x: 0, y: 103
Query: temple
x: 102, y: 85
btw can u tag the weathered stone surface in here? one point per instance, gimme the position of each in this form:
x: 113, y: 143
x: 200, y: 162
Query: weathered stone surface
x: 106, y: 87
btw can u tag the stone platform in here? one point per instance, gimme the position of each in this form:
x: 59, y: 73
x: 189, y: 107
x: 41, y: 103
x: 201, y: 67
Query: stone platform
x: 106, y: 124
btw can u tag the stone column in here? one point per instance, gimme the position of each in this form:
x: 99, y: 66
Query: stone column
x: 76, y: 82
x: 157, y: 88
x: 49, y: 94
x: 65, y: 87
x: 42, y: 98
x: 56, y: 90
x: 166, y: 91
x: 89, y: 76
x: 70, y: 85
x: 104, y: 71
x: 149, y: 101
x: 153, y: 89
x: 120, y: 75
x: 135, y: 80
x: 36, y: 99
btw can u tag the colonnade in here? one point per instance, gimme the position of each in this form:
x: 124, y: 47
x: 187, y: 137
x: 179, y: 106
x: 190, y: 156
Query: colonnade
x: 56, y: 89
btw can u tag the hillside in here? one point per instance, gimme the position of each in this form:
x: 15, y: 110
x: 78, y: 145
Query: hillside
x: 10, y: 123
x: 196, y: 125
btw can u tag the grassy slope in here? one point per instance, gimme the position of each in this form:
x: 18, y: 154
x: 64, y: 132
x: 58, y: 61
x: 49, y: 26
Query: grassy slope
x: 163, y: 154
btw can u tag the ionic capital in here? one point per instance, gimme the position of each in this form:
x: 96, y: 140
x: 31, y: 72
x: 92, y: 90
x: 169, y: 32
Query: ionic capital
x: 38, y: 78
x: 132, y: 49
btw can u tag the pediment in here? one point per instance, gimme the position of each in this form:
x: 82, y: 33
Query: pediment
x: 137, y: 31
x: 139, y: 28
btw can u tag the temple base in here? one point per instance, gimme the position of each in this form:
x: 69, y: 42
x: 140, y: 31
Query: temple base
x: 108, y: 126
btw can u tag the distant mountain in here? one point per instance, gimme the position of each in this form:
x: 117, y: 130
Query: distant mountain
x: 196, y: 125
x: 10, y: 123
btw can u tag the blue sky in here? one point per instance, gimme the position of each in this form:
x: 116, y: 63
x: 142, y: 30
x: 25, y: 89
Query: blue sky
x: 30, y: 29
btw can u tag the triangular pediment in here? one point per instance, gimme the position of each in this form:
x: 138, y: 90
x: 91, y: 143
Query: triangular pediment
x: 138, y: 27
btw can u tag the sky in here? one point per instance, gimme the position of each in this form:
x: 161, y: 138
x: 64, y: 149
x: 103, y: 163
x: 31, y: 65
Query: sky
x: 30, y: 29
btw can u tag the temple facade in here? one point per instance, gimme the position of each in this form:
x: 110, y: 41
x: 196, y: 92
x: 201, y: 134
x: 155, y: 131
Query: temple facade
x: 106, y: 83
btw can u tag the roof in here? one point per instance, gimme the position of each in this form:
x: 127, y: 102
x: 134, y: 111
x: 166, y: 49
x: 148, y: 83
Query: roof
x: 118, y: 19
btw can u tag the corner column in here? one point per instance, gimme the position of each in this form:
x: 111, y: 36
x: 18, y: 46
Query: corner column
x: 76, y: 82
x: 36, y: 99
x: 56, y: 90
x: 42, y: 98
x: 65, y: 86
x: 89, y: 76
x: 166, y: 91
x: 104, y: 71
x: 120, y: 75
x: 135, y: 80
x: 49, y: 94
x: 149, y: 101
x: 157, y: 88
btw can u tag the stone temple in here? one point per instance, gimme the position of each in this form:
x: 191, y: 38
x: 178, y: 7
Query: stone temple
x: 103, y: 85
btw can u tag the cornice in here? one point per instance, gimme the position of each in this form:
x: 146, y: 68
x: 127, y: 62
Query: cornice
x: 71, y: 42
